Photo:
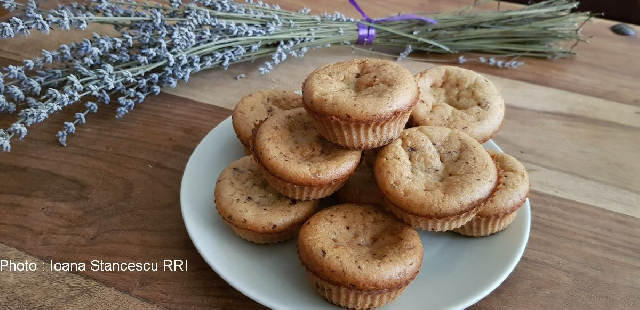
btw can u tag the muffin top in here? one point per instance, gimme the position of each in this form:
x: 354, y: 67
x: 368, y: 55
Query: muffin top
x: 245, y: 199
x: 360, y: 90
x: 256, y: 107
x: 512, y: 189
x: 435, y: 172
x: 289, y: 147
x: 361, y: 187
x: 460, y: 99
x: 360, y: 247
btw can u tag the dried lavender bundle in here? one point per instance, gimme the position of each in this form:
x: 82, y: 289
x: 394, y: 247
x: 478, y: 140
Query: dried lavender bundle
x: 161, y: 44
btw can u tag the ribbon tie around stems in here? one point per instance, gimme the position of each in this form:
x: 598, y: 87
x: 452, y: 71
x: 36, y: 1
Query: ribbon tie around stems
x: 366, y: 33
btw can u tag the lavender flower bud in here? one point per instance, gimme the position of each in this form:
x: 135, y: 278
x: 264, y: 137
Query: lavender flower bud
x: 153, y: 78
x: 305, y: 11
x: 41, y: 24
x: 29, y: 115
x: 92, y: 107
x: 140, y: 97
x: 47, y: 57
x: 5, y: 144
x: 53, y: 93
x: 128, y: 40
x: 62, y: 137
x: 171, y: 82
x: 93, y: 90
x: 121, y: 111
x: 31, y: 7
x: 74, y: 83
x: 88, y: 61
x: 15, y: 92
x: 107, y: 67
x: 70, y: 127
x: 80, y: 118
x: 73, y: 95
x: 32, y: 86
x: 117, y: 86
x: 126, y: 102
x: 15, y: 72
x: 32, y: 102
x: 64, y: 23
x: 6, y: 31
x: 128, y: 76
x: 129, y: 92
x: 6, y: 106
x: 29, y: 64
x: 18, y: 26
x: 104, y: 97
x: 9, y: 5
x: 19, y: 130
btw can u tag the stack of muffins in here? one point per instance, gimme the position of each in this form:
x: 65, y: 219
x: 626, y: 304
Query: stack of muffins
x: 401, y: 152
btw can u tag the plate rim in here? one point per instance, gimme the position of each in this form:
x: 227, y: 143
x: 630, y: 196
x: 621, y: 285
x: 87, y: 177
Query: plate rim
x: 490, y: 288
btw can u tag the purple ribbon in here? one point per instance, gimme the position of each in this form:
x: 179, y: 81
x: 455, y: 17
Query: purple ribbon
x: 366, y: 34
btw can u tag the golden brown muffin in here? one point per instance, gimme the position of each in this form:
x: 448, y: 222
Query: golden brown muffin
x: 361, y: 103
x: 297, y: 161
x: 459, y: 99
x: 508, y: 196
x: 358, y: 256
x: 361, y: 187
x: 254, y: 210
x: 435, y: 178
x: 256, y: 107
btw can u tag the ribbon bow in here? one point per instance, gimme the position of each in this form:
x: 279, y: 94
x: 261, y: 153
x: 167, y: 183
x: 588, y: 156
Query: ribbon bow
x: 366, y: 33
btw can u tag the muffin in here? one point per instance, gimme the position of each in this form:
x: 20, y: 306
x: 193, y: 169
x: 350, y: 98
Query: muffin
x: 435, y: 178
x: 297, y: 161
x: 256, y: 107
x: 361, y: 187
x: 361, y: 103
x: 459, y: 99
x: 359, y: 257
x: 508, y: 196
x: 254, y: 210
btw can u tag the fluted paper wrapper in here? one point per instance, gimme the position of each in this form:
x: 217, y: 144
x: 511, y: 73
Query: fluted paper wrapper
x: 262, y: 238
x: 485, y: 226
x: 352, y: 298
x: 298, y: 192
x: 360, y: 135
x: 433, y: 224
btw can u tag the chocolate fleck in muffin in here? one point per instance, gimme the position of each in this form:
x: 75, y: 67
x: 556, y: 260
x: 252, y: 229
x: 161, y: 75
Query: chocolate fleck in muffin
x: 361, y: 103
x: 256, y: 107
x: 254, y: 210
x: 359, y: 257
x: 297, y: 161
x: 435, y: 178
x: 459, y: 99
x: 508, y: 196
x: 361, y: 187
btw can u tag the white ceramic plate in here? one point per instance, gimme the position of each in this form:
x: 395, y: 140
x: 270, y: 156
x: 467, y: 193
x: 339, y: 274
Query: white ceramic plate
x: 456, y: 271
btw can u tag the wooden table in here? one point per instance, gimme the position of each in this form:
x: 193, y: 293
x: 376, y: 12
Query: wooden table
x: 113, y: 193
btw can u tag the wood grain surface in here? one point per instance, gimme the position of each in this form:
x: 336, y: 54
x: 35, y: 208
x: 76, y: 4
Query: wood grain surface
x: 113, y: 193
x: 63, y: 290
x: 537, y: 117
